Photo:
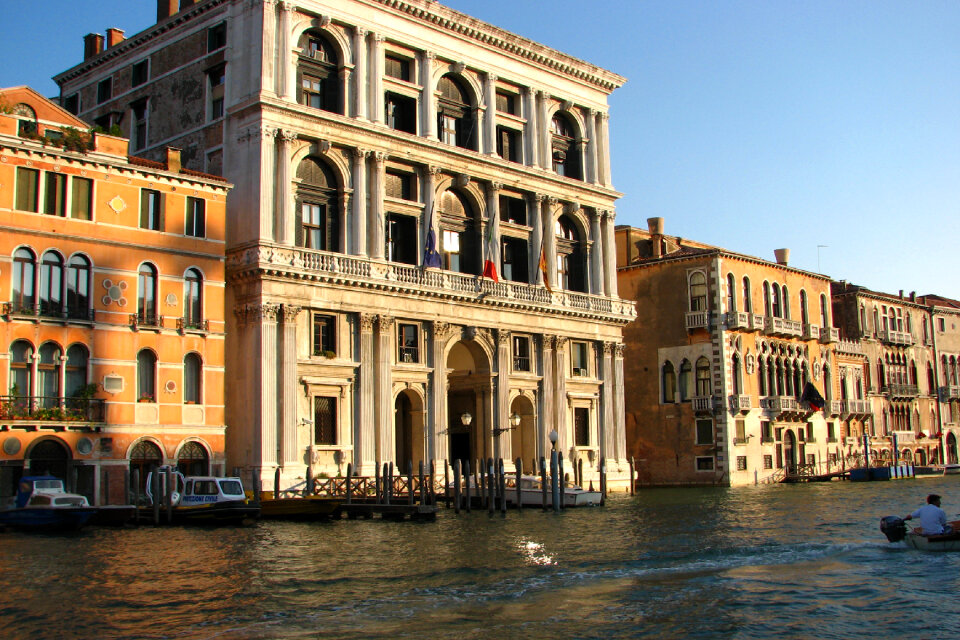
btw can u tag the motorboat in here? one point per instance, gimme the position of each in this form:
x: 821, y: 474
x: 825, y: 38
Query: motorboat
x: 203, y: 499
x: 43, y: 503
x: 531, y: 493
x: 951, y: 469
x: 896, y: 530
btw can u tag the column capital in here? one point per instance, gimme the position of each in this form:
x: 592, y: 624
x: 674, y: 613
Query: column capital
x: 290, y: 313
x: 266, y: 312
x: 552, y: 201
x: 572, y: 207
x: 367, y: 321
x: 360, y: 32
x: 537, y: 197
x: 286, y: 135
x: 494, y: 187
x: 287, y: 6
x: 430, y: 55
x: 380, y: 156
x: 384, y: 321
x: 503, y: 337
x: 549, y: 342
x: 561, y: 342
x: 492, y: 77
x: 377, y: 37
x: 359, y: 154
x: 621, y: 348
x: 433, y: 170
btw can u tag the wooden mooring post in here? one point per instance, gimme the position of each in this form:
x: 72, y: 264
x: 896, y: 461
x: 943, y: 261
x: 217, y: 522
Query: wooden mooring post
x: 467, y: 477
x: 561, y: 480
x: 423, y: 488
x: 276, y: 484
x: 543, y: 481
x: 603, y: 481
x: 491, y: 483
x: 168, y: 498
x: 632, y: 469
x: 519, y: 489
x: 446, y: 483
x: 456, y: 486
x: 503, y: 487
x: 349, y: 482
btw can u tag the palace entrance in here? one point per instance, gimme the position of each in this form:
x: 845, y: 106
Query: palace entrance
x: 469, y: 402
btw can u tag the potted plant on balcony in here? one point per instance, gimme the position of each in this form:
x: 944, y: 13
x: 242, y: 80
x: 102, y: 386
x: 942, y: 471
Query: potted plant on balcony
x: 146, y: 398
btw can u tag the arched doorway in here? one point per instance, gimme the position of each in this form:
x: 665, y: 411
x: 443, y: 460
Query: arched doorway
x: 48, y: 457
x: 193, y: 460
x: 144, y: 458
x: 951, y: 449
x: 921, y: 457
x: 790, y: 451
x: 408, y: 430
x: 469, y: 401
x: 523, y: 439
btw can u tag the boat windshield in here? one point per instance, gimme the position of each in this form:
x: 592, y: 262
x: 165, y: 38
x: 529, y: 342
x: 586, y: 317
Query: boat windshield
x: 70, y: 501
x: 204, y: 488
x: 231, y: 487
x: 49, y: 484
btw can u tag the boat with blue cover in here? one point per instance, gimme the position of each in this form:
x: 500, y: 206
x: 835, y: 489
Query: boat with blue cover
x: 43, y: 503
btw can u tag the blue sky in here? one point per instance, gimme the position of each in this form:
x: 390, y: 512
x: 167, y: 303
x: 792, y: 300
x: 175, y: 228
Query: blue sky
x: 750, y: 125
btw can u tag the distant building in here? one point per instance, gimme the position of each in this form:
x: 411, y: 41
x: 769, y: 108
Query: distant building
x: 726, y: 353
x: 944, y: 331
x: 112, y: 315
x: 359, y: 133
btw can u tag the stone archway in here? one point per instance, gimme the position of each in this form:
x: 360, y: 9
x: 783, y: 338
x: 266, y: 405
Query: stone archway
x: 408, y: 430
x: 523, y: 439
x: 469, y: 402
x: 951, y: 449
x: 48, y: 457
x: 790, y: 452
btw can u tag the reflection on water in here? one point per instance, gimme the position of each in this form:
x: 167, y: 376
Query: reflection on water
x: 757, y: 562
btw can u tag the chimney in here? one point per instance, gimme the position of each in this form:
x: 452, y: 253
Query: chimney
x: 114, y: 37
x: 655, y: 227
x: 166, y: 8
x: 901, y: 294
x: 92, y: 45
x: 782, y: 255
x: 173, y: 159
x: 913, y: 296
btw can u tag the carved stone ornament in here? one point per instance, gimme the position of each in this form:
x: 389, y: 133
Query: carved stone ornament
x: 549, y: 342
x: 458, y: 67
x: 750, y: 363
x: 503, y: 337
x: 385, y: 322
x: 462, y: 180
x: 816, y: 370
x: 367, y: 321
x: 290, y: 313
x: 621, y: 349
x: 267, y: 312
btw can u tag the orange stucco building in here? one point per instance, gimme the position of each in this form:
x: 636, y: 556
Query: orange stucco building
x: 112, y: 283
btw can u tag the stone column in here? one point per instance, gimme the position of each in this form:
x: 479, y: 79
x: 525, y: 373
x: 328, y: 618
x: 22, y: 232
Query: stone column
x: 560, y: 402
x: 377, y: 214
x: 534, y: 216
x: 285, y: 218
x: 603, y: 152
x: 619, y: 416
x: 268, y: 72
x: 384, y: 388
x: 504, y: 440
x: 609, y: 255
x: 264, y: 138
x: 490, y: 115
x: 530, y: 135
x: 263, y: 318
x: 428, y: 107
x: 550, y: 240
x: 285, y: 74
x: 360, y: 73
x: 598, y: 277
x: 591, y: 147
x: 288, y: 390
x: 607, y: 427
x: 493, y: 218
x: 543, y: 130
x: 376, y: 78
x: 364, y: 433
x: 548, y: 392
x: 437, y: 446
x: 359, y: 240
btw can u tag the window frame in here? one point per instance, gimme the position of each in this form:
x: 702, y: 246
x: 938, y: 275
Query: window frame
x: 710, y: 427
x: 408, y: 343
x: 195, y: 217
x: 521, y: 361
x: 323, y: 335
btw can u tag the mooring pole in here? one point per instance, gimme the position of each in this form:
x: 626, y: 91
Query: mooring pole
x: 456, y: 487
x: 554, y: 486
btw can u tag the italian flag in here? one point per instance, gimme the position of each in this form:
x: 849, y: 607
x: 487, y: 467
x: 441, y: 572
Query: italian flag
x: 490, y: 261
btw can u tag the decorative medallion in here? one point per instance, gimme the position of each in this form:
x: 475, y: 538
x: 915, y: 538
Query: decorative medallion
x: 171, y: 299
x: 114, y: 293
x: 117, y: 204
x: 751, y: 363
x: 170, y: 387
x: 11, y: 446
x: 84, y: 446
x: 816, y: 370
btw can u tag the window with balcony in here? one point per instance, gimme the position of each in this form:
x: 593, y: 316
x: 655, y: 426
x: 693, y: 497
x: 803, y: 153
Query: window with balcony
x: 402, y: 245
x: 324, y: 335
x: 571, y: 254
x: 698, y: 291
x: 23, y: 290
x: 514, y: 260
x: 775, y: 306
x: 196, y: 217
x: 51, y: 284
x: 318, y: 73
x: 146, y: 376
x: 75, y: 375
x: 55, y: 194
x: 28, y: 185
x: 703, y: 377
x: 704, y: 433
x: 731, y: 293
x: 767, y: 309
x: 78, y: 288
x: 521, y: 353
x: 408, y: 339
x: 736, y: 374
x: 747, y: 297
x: 685, y: 380
x: 581, y: 426
x: 668, y: 380
x: 147, y: 295
x: 193, y: 299
x: 150, y: 209
x: 318, y: 224
x: 48, y: 374
x: 458, y: 224
x: 579, y: 358
x: 824, y: 312
x: 192, y: 378
x: 21, y: 369
x: 565, y: 147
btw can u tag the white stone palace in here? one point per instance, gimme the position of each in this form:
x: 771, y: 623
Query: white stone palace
x: 358, y: 133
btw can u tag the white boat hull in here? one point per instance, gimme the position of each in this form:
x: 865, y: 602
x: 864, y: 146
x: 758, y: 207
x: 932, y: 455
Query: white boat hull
x: 925, y: 543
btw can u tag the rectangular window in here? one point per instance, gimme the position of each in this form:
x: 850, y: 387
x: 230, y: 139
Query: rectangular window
x: 104, y: 90
x: 513, y: 210
x: 216, y: 78
x: 139, y: 109
x: 399, y: 185
x: 408, y: 347
x: 150, y: 209
x: 831, y: 432
x: 521, y: 353
x: 578, y: 358
x: 704, y: 463
x: 741, y: 428
x: 581, y: 426
x: 196, y: 225
x: 809, y: 431
x: 397, y: 67
x: 741, y: 463
x: 401, y: 239
x: 80, y: 198
x: 507, y: 103
x: 508, y: 144
x: 139, y: 73
x: 28, y: 181
x: 450, y: 241
x: 767, y: 461
x: 324, y: 336
x: 401, y: 112
x: 513, y: 260
x: 766, y: 433
x: 217, y: 37
x: 704, y: 432
x: 324, y: 420
x: 941, y: 325
x: 72, y: 103
x: 55, y: 194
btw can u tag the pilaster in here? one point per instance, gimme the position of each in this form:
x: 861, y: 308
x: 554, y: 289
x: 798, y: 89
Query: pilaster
x: 598, y: 276
x: 360, y: 73
x: 359, y: 239
x: 364, y: 433
x: 377, y: 214
x: 288, y: 389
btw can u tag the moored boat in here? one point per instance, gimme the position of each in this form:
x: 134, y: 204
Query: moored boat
x: 302, y: 508
x: 206, y: 500
x: 531, y: 493
x: 42, y: 503
x: 896, y: 530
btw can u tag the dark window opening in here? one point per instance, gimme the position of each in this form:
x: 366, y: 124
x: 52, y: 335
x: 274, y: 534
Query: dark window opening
x: 324, y: 420
x: 318, y: 224
x: 318, y: 74
x: 456, y: 118
x: 217, y: 37
x: 513, y: 210
x: 508, y: 144
x: 514, y: 260
x: 397, y: 67
x: 507, y: 103
x: 139, y: 73
x: 401, y: 112
x: 408, y: 347
x: 400, y: 185
x: 104, y: 90
x: 521, y: 353
x: 401, y: 239
x: 581, y: 426
x: 324, y: 335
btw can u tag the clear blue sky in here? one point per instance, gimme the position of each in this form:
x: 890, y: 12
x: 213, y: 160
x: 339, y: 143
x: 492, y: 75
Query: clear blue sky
x: 750, y: 125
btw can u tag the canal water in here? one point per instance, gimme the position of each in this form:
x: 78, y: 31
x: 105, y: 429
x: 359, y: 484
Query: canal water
x: 802, y: 561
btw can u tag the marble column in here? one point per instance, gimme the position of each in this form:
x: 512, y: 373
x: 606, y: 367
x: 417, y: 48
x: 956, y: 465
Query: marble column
x: 286, y: 75
x: 619, y: 413
x: 437, y: 443
x: 429, y: 220
x: 428, y: 108
x: 289, y: 420
x: 377, y: 214
x: 267, y: 68
x: 264, y: 138
x: 607, y: 428
x: 359, y: 240
x: 548, y: 392
x: 376, y: 78
x: 591, y: 147
x: 490, y: 115
x: 550, y: 240
x: 384, y: 387
x: 561, y: 403
x: 603, y: 151
x: 543, y: 130
x: 264, y: 325
x: 504, y: 440
x: 364, y: 434
x: 360, y: 73
x: 285, y: 223
x: 609, y: 254
x: 534, y: 218
x: 493, y: 218
x: 530, y: 135
x: 597, y: 264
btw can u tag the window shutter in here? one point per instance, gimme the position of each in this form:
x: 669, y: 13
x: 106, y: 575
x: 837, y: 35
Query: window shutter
x: 298, y: 223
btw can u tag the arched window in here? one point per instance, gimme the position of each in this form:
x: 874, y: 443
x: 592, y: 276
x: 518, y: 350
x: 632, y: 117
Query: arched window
x: 786, y: 302
x: 564, y: 146
x: 804, y: 316
x: 703, y: 377
x: 147, y: 295
x: 75, y: 380
x: 824, y: 311
x: 686, y: 372
x: 318, y: 74
x: 775, y: 302
x: 192, y: 378
x: 669, y: 379
x: 23, y: 291
x: 318, y: 224
x: 876, y: 321
x: 747, y: 297
x: 767, y: 308
x: 736, y: 371
x: 146, y: 376
x: 458, y: 234
x: 193, y: 459
x: 456, y: 123
x: 51, y: 284
x: 48, y: 374
x: 926, y: 331
x: 193, y: 299
x: 731, y: 293
x: 26, y: 119
x: 913, y: 373
x: 78, y: 288
x: 21, y: 369
x: 698, y: 291
x: 863, y: 320
x: 145, y: 457
x: 931, y: 383
x: 571, y: 256
x: 762, y: 375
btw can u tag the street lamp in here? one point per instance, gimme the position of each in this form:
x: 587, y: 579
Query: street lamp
x: 466, y: 418
x: 514, y: 423
x: 553, y: 439
x: 515, y: 420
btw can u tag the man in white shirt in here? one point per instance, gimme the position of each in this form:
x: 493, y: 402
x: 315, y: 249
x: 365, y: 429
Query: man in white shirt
x: 933, y: 521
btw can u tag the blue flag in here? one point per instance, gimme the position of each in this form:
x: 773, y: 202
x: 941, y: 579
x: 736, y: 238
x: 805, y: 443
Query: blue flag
x: 430, y: 256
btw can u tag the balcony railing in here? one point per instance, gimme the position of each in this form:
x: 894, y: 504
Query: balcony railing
x: 856, y: 407
x: 702, y: 403
x: 51, y: 409
x: 895, y: 337
x: 738, y: 320
x: 811, y: 332
x: 46, y: 310
x: 783, y: 327
x: 949, y: 392
x: 758, y: 322
x: 364, y: 272
x: 697, y: 319
x: 832, y: 334
x: 901, y: 390
x: 146, y: 320
x: 741, y: 441
x: 192, y: 324
x: 779, y: 404
x: 836, y: 407
x: 741, y: 402
x: 906, y: 437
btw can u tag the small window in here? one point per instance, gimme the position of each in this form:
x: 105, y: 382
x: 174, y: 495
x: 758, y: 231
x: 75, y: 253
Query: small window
x: 741, y: 429
x: 400, y: 185
x: 28, y: 181
x: 72, y: 103
x: 324, y: 336
x: 578, y: 358
x: 513, y: 210
x: 698, y: 292
x: 55, y: 194
x: 146, y: 376
x: 324, y: 421
x: 508, y: 144
x: 104, y: 90
x: 581, y: 426
x: 217, y: 37
x: 704, y: 432
x: 513, y: 260
x: 703, y: 377
x: 139, y: 110
x: 401, y: 239
x: 139, y: 73
x: 941, y: 325
x: 766, y: 433
x: 669, y: 379
x: 507, y: 103
x: 408, y: 343
x: 397, y: 67
x: 196, y: 220
x: 521, y: 353
x: 216, y: 79
x: 704, y: 463
x: 192, y: 377
x: 80, y: 198
x: 741, y: 463
x: 150, y: 209
x: 400, y: 112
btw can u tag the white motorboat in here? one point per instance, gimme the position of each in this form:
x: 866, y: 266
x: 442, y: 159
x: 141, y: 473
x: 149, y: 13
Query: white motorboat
x: 42, y: 503
x: 951, y: 469
x: 531, y: 493
x: 896, y: 530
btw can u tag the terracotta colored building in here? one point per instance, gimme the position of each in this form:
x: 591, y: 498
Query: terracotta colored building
x: 112, y: 282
